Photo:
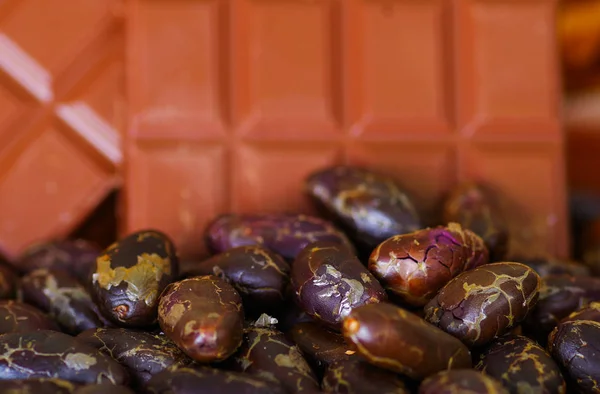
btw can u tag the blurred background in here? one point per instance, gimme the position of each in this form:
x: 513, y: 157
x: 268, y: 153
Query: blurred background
x: 117, y: 115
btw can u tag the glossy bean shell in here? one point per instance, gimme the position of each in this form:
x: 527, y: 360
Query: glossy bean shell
x: 359, y: 377
x: 484, y: 303
x: 392, y: 338
x: 204, y: 316
x: 414, y: 266
x: 18, y: 317
x: 204, y: 380
x: 37, y: 386
x: 574, y: 345
x: 461, y: 381
x: 560, y: 295
x: 142, y: 353
x: 259, y: 275
x: 329, y: 281
x: 369, y: 206
x: 521, y: 365
x: 131, y: 274
x: 476, y: 207
x: 285, y: 234
x: 63, y: 297
x: 51, y: 354
x: 589, y: 311
x: 267, y: 353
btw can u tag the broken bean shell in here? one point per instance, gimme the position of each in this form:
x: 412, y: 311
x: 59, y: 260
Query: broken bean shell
x: 461, y: 381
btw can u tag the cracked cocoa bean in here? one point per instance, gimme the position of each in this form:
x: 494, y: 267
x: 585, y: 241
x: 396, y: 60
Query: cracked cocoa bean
x: 521, y: 365
x: 369, y: 206
x: 259, y: 275
x: 575, y: 346
x: 37, y: 386
x: 461, y: 381
x: 320, y: 345
x: 17, y: 317
x: 482, y: 304
x: 63, y: 297
x: 205, y: 380
x: 142, y: 353
x: 476, y: 208
x: 103, y: 389
x: 590, y: 311
x: 204, y: 316
x: 267, y: 353
x: 413, y: 267
x: 359, y: 377
x: 51, y: 354
x: 560, y: 295
x: 78, y: 257
x: 329, y: 281
x: 284, y: 234
x: 392, y: 338
x: 131, y: 274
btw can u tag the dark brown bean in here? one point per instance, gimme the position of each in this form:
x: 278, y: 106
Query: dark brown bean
x: 522, y: 366
x: 546, y: 266
x: 77, y: 257
x: 560, y: 295
x: 482, y: 304
x: 9, y: 281
x: 329, y: 281
x: 63, y: 297
x: 17, y: 317
x: 267, y: 353
x: 359, y: 377
x: 37, y: 386
x: 142, y: 353
x: 259, y: 275
x: 413, y: 267
x: 51, y: 354
x: 320, y: 345
x: 284, y: 234
x: 461, y: 381
x: 370, y: 206
x: 131, y: 274
x: 103, y: 389
x: 590, y: 311
x: 393, y: 338
x: 574, y: 345
x: 475, y: 207
x: 204, y: 316
x: 204, y: 380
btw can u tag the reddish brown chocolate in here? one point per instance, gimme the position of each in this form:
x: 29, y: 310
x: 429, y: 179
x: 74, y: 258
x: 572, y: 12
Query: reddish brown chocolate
x: 522, y: 366
x: 560, y: 295
x: 480, y: 305
x: 143, y: 354
x: 259, y: 275
x: 285, y: 234
x: 205, y: 380
x: 574, y: 345
x: 267, y: 353
x: 51, y: 354
x: 131, y: 274
x: 369, y: 206
x: 329, y: 281
x: 476, y: 208
x: 320, y: 345
x: 587, y: 312
x: 9, y: 281
x: 77, y: 257
x: 63, y: 297
x: 358, y: 377
x: 413, y: 267
x: 461, y: 381
x: 392, y: 338
x: 204, y: 316
x: 18, y: 317
x: 37, y: 386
